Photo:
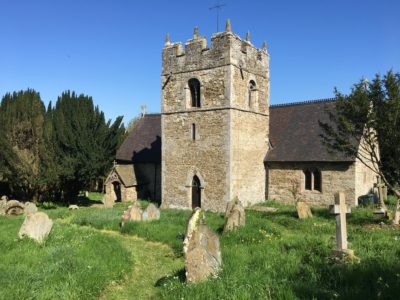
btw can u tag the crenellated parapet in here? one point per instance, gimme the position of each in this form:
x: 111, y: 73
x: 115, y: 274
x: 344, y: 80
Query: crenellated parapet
x: 226, y: 48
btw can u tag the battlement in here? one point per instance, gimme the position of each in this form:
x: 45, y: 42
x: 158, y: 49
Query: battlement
x: 226, y: 48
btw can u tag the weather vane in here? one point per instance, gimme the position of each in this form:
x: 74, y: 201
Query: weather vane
x: 218, y: 7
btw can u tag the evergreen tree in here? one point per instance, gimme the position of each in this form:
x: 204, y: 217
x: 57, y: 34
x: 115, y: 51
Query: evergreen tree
x: 371, y: 112
x: 85, y: 144
x: 21, y: 118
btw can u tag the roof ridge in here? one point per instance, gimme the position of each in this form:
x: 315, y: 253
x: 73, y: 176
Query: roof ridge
x: 152, y: 114
x: 304, y: 102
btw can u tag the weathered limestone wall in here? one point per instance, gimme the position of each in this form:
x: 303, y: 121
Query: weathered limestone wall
x: 213, y: 90
x: 206, y: 157
x: 128, y: 194
x: 365, y: 177
x: 249, y: 144
x: 336, y: 177
x: 148, y: 176
x: 227, y: 128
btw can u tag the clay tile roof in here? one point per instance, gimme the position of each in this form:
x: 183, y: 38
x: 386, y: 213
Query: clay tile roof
x: 143, y: 144
x: 127, y: 174
x: 294, y: 133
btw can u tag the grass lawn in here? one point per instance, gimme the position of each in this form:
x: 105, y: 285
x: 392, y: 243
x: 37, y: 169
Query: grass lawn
x: 275, y: 256
x: 73, y: 263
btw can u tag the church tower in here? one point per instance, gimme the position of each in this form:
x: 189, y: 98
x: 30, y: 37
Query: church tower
x: 215, y: 114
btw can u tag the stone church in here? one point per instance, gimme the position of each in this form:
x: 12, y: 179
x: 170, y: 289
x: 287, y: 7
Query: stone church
x: 218, y: 138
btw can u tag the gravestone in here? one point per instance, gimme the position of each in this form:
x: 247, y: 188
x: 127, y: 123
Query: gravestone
x: 133, y: 213
x: 108, y: 202
x: 303, y: 210
x: 36, y: 226
x: 151, y: 213
x: 380, y: 189
x: 30, y: 208
x: 340, y: 209
x: 234, y: 215
x: 3, y: 204
x: 14, y: 208
x: 201, y: 248
x: 4, y: 197
x: 73, y: 207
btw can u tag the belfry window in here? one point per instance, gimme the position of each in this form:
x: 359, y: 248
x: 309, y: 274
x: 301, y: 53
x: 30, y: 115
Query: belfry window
x: 194, y: 86
x: 312, y: 180
x: 252, y: 89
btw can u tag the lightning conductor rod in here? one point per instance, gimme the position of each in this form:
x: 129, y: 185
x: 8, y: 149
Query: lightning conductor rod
x: 217, y: 7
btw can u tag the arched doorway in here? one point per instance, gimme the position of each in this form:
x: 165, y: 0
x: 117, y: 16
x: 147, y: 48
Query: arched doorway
x: 196, y: 192
x: 117, y: 190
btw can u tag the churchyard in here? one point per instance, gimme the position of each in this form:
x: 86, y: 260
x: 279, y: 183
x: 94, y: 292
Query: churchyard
x: 275, y: 255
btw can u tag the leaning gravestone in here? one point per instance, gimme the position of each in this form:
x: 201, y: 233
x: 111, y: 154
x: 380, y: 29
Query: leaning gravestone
x: 201, y: 248
x: 73, y: 207
x: 151, y: 213
x: 107, y: 202
x: 3, y: 204
x: 14, y: 208
x: 234, y: 215
x: 36, y: 226
x: 4, y: 198
x: 30, y: 208
x: 303, y: 210
x: 133, y: 213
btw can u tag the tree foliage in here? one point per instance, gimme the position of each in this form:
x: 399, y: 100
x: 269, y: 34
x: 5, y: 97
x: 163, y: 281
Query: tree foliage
x: 57, y: 152
x: 370, y: 114
x: 21, y: 119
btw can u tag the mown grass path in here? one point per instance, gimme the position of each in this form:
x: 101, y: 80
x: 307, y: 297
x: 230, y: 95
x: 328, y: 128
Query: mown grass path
x: 152, y: 262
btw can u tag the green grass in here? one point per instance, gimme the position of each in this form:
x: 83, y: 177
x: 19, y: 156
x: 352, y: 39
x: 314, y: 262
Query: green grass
x: 275, y: 256
x: 73, y: 263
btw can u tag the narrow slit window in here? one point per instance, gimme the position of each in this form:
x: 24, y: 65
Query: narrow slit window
x: 194, y: 86
x: 193, y: 132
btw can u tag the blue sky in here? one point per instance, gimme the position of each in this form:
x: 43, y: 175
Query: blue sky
x: 111, y: 49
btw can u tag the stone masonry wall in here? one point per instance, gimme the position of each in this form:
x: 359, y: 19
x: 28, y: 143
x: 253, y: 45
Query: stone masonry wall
x: 249, y: 144
x: 335, y: 178
x: 227, y: 128
x: 206, y: 157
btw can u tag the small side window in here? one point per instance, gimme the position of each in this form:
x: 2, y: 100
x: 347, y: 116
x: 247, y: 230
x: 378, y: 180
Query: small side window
x: 193, y: 132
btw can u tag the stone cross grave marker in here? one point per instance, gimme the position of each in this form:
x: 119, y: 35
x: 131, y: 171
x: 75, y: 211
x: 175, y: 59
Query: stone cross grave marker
x: 340, y: 209
x: 382, y: 192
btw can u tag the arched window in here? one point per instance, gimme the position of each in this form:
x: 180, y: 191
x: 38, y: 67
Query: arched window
x: 252, y: 89
x: 196, y: 192
x: 194, y: 86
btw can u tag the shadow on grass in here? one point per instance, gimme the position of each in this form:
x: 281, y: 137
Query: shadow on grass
x: 85, y: 201
x: 179, y: 275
